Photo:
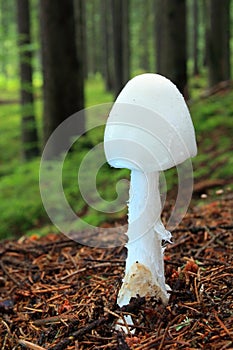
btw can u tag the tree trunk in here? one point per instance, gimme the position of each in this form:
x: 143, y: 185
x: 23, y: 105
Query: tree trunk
x: 205, y: 16
x: 195, y: 37
x: 28, y: 121
x: 107, y: 45
x: 144, y: 53
x: 4, y: 23
x: 218, y: 57
x: 171, y: 42
x: 93, y: 41
x: 158, y: 28
x: 120, y: 14
x: 94, y: 37
x: 81, y: 40
x: 62, y: 70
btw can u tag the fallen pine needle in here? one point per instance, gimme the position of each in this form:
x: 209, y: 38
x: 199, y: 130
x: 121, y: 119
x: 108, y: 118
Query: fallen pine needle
x: 223, y: 326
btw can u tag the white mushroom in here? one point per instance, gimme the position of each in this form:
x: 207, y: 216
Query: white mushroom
x: 149, y: 129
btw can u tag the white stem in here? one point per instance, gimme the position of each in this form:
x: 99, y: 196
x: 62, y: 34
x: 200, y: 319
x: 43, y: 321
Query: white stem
x: 145, y: 234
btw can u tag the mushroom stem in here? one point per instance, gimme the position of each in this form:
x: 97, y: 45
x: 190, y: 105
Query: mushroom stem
x: 144, y: 274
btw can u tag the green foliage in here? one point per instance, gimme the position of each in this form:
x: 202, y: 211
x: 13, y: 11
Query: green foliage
x: 10, y: 138
x: 20, y: 203
x: 213, y: 121
x: 8, y: 40
x: 95, y: 92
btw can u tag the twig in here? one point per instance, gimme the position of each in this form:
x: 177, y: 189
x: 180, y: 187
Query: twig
x: 149, y: 341
x: 53, y: 319
x: 195, y: 229
x: 121, y: 262
x: 207, y: 244
x: 111, y: 312
x: 230, y: 292
x: 79, y: 333
x: 208, y: 261
x: 107, y: 264
x: 8, y: 274
x: 133, y: 306
x: 30, y: 345
x: 163, y: 338
x: 121, y: 341
x: 222, y: 325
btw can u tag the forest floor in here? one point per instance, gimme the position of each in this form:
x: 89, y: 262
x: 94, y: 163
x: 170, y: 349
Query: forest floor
x: 56, y: 294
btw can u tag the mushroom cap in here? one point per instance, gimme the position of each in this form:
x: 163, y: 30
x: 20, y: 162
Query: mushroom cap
x: 149, y: 126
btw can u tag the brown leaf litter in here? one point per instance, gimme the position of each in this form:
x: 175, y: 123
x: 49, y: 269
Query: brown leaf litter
x: 56, y: 294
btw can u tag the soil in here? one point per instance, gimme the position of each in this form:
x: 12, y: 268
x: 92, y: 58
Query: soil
x: 57, y: 294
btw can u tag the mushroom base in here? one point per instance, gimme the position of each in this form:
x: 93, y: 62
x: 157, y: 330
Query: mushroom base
x: 139, y: 281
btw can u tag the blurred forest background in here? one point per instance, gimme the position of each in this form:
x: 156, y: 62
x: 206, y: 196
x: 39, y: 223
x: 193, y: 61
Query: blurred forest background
x: 58, y: 57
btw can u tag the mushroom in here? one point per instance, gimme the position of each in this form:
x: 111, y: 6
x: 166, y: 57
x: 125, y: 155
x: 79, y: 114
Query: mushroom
x: 149, y: 129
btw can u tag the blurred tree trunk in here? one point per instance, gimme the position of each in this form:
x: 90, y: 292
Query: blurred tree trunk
x: 121, y: 46
x: 218, y: 45
x: 205, y: 16
x: 158, y: 8
x: 195, y: 37
x: 81, y: 40
x: 8, y: 41
x: 171, y: 42
x: 62, y: 70
x: 4, y: 23
x: 144, y: 58
x: 94, y: 37
x: 107, y: 44
x: 28, y: 121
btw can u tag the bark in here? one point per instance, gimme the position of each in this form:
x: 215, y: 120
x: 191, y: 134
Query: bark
x: 81, y: 40
x: 158, y: 27
x: 120, y: 13
x: 62, y: 70
x: 195, y: 38
x: 144, y: 59
x: 171, y: 42
x: 28, y: 122
x: 218, y: 45
x: 92, y: 48
x: 107, y: 45
x: 94, y: 37
x: 205, y: 15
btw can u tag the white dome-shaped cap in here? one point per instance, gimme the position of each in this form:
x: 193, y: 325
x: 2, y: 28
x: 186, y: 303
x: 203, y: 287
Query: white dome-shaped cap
x: 149, y: 126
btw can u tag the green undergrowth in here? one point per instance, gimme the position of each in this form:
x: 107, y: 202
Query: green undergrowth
x: 213, y: 121
x: 21, y: 207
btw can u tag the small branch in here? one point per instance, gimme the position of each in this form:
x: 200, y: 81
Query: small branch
x: 30, y: 345
x: 79, y: 333
x: 121, y: 341
x: 230, y: 292
x: 195, y: 229
x: 133, y: 306
x: 53, y: 319
x: 97, y: 266
x: 222, y: 325
x: 8, y: 274
x: 120, y: 262
x: 207, y: 261
x: 163, y: 338
x: 207, y: 244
